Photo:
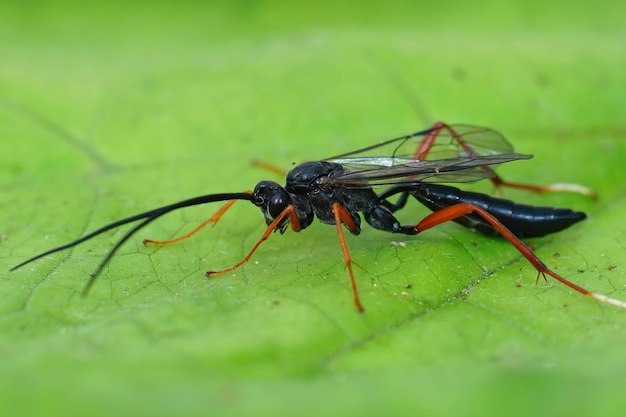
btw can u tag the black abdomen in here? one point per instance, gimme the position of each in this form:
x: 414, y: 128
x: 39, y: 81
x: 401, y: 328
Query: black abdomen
x: 521, y: 219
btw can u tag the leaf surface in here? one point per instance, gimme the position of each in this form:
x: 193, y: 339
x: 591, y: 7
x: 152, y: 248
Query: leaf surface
x: 114, y: 109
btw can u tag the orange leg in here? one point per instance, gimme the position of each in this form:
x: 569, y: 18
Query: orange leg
x: 551, y: 188
x: 462, y: 209
x: 342, y: 216
x: 295, y: 225
x: 429, y: 140
x: 269, y: 167
x: 213, y: 219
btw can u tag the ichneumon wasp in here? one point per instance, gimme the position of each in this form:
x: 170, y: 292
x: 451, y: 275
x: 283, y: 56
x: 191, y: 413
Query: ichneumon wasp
x: 338, y: 190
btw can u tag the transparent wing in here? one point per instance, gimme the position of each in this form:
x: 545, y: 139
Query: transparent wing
x: 366, y: 171
x: 467, y: 141
x: 455, y: 153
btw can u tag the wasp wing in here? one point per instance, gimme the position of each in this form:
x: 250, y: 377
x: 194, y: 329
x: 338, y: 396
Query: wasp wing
x: 450, y: 142
x: 373, y: 171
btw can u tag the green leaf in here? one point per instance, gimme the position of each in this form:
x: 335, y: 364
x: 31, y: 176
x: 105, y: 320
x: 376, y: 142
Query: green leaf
x: 109, y: 110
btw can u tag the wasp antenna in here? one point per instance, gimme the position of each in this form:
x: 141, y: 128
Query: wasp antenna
x: 89, y: 236
x: 112, y: 252
x: 149, y: 216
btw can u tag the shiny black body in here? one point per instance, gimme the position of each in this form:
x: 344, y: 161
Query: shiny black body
x: 311, y: 189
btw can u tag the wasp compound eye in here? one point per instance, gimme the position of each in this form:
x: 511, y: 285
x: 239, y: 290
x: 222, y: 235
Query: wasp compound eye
x: 271, y: 198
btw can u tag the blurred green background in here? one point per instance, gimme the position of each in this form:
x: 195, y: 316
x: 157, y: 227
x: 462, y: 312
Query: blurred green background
x: 114, y: 108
